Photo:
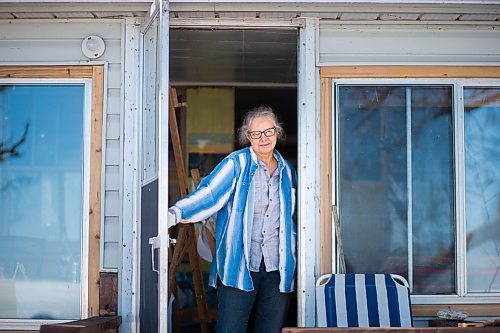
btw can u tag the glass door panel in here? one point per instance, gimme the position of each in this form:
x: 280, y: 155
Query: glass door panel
x: 432, y: 190
x: 396, y: 182
x: 482, y: 188
x: 373, y: 189
x: 41, y: 179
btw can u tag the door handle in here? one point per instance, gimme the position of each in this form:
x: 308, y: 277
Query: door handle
x: 155, y: 244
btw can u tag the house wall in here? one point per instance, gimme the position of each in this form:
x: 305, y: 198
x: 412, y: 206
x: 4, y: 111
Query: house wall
x: 392, y: 44
x: 59, y: 42
x: 408, y: 44
x: 396, y: 43
x: 372, y: 44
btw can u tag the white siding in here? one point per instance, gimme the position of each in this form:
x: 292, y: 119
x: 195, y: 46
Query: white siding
x: 112, y: 182
x: 408, y: 44
x: 112, y: 229
x: 112, y: 204
x: 113, y: 127
x: 112, y: 152
x: 59, y: 42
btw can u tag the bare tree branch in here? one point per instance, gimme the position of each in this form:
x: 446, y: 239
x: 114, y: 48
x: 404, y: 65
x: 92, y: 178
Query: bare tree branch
x: 11, y: 151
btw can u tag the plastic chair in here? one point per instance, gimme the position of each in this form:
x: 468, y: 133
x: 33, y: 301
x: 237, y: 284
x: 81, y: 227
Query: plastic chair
x: 363, y: 300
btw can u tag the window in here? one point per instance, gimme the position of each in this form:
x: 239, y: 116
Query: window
x: 482, y: 188
x: 412, y: 156
x: 41, y: 199
x: 149, y: 142
x: 50, y: 185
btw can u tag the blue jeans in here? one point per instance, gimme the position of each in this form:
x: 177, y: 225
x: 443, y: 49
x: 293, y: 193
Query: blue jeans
x: 235, y: 306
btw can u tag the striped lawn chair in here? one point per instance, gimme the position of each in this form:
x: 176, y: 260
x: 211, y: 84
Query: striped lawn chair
x: 363, y: 300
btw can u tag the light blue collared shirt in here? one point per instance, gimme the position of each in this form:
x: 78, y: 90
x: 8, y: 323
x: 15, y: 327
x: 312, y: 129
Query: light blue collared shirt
x: 266, y: 220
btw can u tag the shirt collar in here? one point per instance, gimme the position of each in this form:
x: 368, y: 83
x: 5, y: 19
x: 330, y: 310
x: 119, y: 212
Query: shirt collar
x: 277, y: 155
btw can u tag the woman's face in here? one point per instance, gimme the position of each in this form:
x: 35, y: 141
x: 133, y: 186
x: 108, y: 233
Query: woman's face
x: 265, y: 144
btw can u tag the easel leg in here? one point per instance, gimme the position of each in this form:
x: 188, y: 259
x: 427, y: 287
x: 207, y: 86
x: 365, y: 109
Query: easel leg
x: 186, y: 241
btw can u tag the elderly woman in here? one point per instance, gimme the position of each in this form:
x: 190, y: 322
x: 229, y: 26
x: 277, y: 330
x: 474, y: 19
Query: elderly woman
x: 253, y: 193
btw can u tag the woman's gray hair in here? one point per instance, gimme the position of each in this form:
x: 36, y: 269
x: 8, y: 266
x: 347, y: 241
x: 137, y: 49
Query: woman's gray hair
x: 260, y: 111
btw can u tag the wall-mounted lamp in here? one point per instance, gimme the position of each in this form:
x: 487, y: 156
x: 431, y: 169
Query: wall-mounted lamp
x: 93, y: 47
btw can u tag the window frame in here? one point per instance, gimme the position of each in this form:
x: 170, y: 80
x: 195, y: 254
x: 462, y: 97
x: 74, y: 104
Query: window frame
x: 149, y: 121
x: 457, y: 76
x: 93, y: 78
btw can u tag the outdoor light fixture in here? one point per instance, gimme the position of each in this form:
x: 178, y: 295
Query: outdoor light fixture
x: 93, y: 47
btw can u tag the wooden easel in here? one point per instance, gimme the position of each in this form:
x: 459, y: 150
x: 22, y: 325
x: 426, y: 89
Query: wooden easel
x: 186, y: 240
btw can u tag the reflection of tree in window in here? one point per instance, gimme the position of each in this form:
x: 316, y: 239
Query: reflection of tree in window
x: 374, y: 148
x: 432, y: 189
x: 41, y: 180
x: 10, y: 149
x: 372, y: 201
x: 482, y: 156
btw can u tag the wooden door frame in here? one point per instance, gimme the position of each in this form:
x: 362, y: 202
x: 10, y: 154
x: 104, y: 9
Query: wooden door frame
x: 96, y: 74
x: 327, y: 75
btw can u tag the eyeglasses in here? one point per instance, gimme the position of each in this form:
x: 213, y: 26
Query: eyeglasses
x: 257, y: 134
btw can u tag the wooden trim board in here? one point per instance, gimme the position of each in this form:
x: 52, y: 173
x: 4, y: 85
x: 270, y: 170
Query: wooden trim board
x: 95, y: 190
x: 47, y: 72
x: 327, y: 75
x: 325, y: 203
x: 96, y: 73
x: 388, y: 72
x: 474, y: 310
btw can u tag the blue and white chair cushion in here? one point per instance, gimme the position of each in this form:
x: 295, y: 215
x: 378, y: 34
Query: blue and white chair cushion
x: 363, y: 300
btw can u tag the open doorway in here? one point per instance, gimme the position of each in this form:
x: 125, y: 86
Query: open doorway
x: 221, y: 74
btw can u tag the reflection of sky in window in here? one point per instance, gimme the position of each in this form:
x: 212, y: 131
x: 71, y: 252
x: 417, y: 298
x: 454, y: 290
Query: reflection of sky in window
x: 372, y: 183
x: 432, y: 177
x: 373, y: 180
x: 41, y: 197
x: 482, y: 156
x: 482, y: 149
x: 41, y: 188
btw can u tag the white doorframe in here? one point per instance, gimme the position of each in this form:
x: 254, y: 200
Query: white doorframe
x: 308, y: 173
x: 128, y: 284
x: 308, y: 149
x: 308, y: 159
x: 163, y: 131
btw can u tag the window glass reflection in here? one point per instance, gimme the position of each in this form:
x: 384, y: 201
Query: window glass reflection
x: 373, y: 192
x: 41, y: 135
x: 149, y: 108
x: 432, y: 190
x: 374, y: 177
x: 482, y: 161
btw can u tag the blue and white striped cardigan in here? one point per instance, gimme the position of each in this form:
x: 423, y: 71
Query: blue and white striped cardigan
x: 229, y: 192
